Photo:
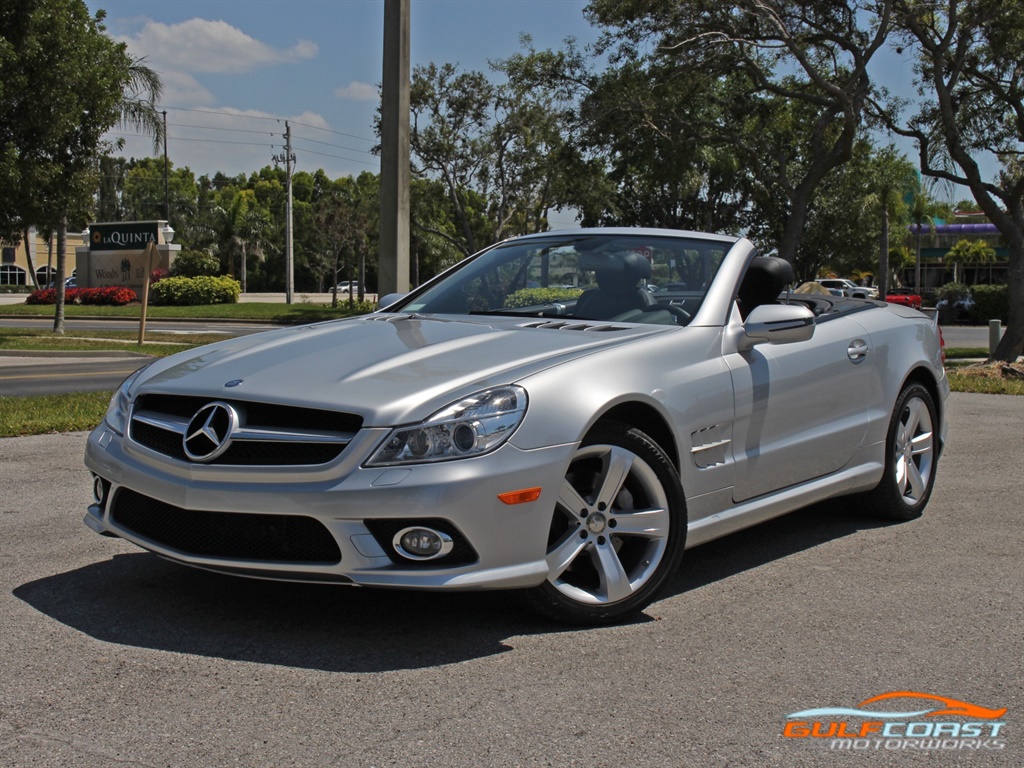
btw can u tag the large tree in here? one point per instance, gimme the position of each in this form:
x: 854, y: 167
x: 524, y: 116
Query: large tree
x: 493, y: 148
x: 808, y: 57
x: 64, y: 84
x: 971, y: 81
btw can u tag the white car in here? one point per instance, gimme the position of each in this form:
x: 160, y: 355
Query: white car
x: 570, y: 450
x: 848, y: 287
x: 350, y: 286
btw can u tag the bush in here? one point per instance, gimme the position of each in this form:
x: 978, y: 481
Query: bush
x: 195, y: 264
x: 193, y: 291
x: 991, y: 302
x: 528, y: 297
x: 113, y: 295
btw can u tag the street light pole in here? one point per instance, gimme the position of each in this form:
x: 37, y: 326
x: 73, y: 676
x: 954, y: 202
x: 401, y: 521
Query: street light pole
x: 167, y: 183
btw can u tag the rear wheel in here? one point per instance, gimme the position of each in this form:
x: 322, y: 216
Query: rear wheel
x: 617, y: 531
x: 911, y: 449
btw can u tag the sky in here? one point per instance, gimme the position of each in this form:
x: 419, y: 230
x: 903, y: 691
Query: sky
x: 235, y: 70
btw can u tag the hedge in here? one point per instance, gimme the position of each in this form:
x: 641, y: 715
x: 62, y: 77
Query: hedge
x: 991, y: 302
x: 194, y: 291
x: 529, y: 297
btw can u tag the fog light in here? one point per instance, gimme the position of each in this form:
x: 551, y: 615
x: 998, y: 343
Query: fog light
x: 99, y: 489
x: 422, y: 543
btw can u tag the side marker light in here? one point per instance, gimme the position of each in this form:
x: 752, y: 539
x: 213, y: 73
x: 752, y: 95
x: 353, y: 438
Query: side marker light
x: 520, y: 497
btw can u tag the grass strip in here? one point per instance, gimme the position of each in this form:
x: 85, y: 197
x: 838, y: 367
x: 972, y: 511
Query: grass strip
x: 157, y: 344
x: 44, y: 414
x: 965, y: 353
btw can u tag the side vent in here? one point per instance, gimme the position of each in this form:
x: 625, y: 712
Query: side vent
x: 709, y: 449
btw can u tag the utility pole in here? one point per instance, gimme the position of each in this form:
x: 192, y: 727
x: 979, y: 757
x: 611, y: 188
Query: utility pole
x: 289, y: 262
x: 393, y: 271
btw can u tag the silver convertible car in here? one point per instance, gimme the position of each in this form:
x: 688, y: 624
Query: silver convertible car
x: 562, y: 414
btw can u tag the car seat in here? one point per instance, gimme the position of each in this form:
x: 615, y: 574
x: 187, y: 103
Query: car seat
x: 618, y: 290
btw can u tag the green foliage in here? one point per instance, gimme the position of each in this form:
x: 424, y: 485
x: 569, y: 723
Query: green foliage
x: 991, y: 302
x: 63, y: 82
x: 952, y: 292
x: 528, y: 297
x: 192, y: 291
x: 195, y: 264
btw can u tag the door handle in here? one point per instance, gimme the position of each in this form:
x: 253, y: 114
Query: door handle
x: 858, y: 350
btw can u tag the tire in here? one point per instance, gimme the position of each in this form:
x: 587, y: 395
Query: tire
x: 617, y: 532
x: 911, y: 457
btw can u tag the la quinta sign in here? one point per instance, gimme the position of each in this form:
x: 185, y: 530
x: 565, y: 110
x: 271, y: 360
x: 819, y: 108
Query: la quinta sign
x: 123, y: 235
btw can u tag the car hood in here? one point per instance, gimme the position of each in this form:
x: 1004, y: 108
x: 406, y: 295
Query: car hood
x: 389, y: 369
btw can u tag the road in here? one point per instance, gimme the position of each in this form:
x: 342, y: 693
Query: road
x: 112, y: 656
x: 22, y: 376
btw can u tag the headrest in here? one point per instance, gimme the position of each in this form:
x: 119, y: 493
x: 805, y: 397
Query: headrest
x: 633, y: 264
x: 777, y: 270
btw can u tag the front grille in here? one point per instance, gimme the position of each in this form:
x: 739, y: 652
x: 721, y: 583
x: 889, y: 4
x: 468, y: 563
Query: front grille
x: 384, y: 531
x: 232, y: 535
x: 268, y: 434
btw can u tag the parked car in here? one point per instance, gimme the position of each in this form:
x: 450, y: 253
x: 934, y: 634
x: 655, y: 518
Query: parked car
x: 350, y: 286
x: 69, y: 282
x: 848, y: 287
x: 958, y: 312
x: 903, y: 296
x: 569, y: 450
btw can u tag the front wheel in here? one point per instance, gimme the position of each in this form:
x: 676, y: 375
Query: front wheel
x: 617, y: 531
x: 911, y: 455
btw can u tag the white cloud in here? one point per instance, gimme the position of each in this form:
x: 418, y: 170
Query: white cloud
x: 357, y: 91
x: 182, y: 88
x: 201, y: 45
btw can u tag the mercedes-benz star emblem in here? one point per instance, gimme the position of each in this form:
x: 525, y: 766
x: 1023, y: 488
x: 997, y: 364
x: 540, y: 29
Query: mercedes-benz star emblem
x: 209, y: 432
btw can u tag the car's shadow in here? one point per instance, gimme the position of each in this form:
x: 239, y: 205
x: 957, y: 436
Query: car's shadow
x: 141, y: 600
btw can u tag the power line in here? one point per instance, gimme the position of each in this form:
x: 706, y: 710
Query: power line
x: 207, y: 141
x: 275, y: 119
x: 336, y: 157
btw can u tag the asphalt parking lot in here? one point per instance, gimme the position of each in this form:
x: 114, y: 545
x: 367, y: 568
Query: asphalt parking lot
x: 109, y: 655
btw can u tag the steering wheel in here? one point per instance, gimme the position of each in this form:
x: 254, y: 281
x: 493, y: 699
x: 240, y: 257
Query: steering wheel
x: 682, y: 317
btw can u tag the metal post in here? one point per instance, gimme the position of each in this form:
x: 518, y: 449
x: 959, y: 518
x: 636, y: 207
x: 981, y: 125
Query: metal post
x: 147, y: 260
x: 994, y: 333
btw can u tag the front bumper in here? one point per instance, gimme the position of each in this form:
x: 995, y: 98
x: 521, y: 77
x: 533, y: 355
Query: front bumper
x: 507, y: 542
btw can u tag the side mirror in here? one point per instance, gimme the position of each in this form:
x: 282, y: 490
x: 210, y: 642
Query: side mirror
x: 777, y: 324
x: 391, y: 298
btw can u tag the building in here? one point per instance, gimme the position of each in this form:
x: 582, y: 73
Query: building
x: 935, y: 241
x: 105, y: 254
x: 14, y: 265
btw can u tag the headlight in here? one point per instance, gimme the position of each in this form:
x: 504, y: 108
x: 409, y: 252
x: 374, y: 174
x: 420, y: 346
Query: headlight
x: 117, y: 411
x: 471, y: 427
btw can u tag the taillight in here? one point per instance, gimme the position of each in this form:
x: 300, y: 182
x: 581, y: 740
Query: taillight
x: 942, y: 346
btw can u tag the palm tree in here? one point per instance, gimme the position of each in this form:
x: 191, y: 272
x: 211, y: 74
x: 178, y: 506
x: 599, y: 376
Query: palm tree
x: 138, y: 102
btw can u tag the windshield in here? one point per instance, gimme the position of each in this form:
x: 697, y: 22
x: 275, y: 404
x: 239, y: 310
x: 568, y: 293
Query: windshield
x: 629, y: 278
